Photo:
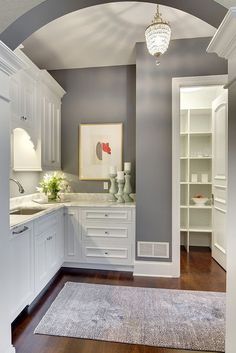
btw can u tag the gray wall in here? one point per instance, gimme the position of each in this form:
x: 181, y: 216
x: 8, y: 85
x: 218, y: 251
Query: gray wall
x: 97, y: 95
x: 186, y: 57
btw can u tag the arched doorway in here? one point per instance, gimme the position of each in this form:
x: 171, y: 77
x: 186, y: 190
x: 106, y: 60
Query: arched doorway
x: 49, y: 10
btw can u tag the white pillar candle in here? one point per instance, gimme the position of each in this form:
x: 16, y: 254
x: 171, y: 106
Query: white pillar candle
x: 127, y: 167
x: 120, y: 175
x: 113, y: 170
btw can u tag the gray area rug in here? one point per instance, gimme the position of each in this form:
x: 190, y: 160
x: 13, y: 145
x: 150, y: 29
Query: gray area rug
x: 154, y: 317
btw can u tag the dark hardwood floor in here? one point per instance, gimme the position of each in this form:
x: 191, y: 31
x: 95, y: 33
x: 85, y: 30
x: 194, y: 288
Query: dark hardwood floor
x: 198, y: 272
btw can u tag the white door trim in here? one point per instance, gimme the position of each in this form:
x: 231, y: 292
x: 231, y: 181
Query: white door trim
x: 177, y: 83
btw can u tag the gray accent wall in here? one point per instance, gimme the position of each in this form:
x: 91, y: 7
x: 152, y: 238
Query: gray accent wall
x: 96, y: 95
x: 185, y: 57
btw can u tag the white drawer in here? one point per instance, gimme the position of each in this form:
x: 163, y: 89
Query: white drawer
x: 43, y: 223
x: 107, y: 255
x: 106, y: 214
x: 92, y: 232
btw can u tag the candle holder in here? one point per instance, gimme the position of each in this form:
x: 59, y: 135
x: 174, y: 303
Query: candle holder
x: 127, y: 187
x: 113, y: 189
x: 119, y: 195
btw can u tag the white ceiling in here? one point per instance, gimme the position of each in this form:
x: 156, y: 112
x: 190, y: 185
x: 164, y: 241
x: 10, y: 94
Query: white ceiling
x: 12, y: 9
x: 104, y: 35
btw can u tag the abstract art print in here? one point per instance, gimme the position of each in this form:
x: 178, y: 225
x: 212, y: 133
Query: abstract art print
x: 100, y: 147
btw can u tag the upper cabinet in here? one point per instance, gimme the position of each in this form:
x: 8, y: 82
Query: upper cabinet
x: 23, y: 98
x: 36, y: 119
x: 51, y: 94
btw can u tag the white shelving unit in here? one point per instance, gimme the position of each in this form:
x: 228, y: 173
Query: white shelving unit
x: 195, y: 158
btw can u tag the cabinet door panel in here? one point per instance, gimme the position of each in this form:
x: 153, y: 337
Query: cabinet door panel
x: 22, y: 280
x: 71, y: 236
x: 51, y: 251
x: 29, y: 102
x: 51, y: 130
x: 46, y: 132
x: 41, y: 271
x: 16, y: 111
x: 56, y: 135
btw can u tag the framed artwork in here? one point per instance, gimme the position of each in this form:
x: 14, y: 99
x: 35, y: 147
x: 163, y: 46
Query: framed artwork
x: 100, y: 147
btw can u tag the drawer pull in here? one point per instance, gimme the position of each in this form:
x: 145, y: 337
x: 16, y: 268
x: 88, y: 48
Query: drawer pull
x: 107, y: 233
x: 106, y: 253
x: 20, y: 231
x: 106, y: 215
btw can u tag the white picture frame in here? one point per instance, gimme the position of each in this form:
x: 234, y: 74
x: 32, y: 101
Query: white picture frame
x: 100, y: 147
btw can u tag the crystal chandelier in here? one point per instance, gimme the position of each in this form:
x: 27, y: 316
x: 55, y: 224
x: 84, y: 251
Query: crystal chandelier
x: 158, y: 35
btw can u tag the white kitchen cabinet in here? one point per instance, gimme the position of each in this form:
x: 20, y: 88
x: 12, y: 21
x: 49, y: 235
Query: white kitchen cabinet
x: 22, y: 288
x: 72, y: 235
x: 107, y: 236
x: 60, y: 237
x: 36, y: 119
x: 51, y: 95
x: 47, y: 242
x: 23, y: 102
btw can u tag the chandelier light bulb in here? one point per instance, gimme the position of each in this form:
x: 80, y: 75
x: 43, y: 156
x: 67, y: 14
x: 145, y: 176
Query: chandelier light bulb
x: 158, y: 35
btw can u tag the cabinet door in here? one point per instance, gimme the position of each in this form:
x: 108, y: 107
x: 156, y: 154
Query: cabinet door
x: 51, y: 252
x: 15, y: 95
x: 41, y: 270
x: 72, y: 236
x: 46, y: 132
x: 60, y: 237
x: 56, y: 133
x: 51, y: 134
x: 22, y: 279
x: 28, y: 92
x: 23, y: 102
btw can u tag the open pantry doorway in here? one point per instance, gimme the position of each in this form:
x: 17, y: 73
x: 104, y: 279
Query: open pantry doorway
x: 200, y: 164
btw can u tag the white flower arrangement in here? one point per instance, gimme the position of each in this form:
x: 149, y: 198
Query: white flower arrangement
x: 54, y: 184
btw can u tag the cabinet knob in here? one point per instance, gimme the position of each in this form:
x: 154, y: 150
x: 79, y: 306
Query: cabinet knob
x: 106, y: 253
x: 107, y: 232
x: 106, y: 215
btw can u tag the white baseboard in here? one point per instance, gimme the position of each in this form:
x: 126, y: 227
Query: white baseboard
x: 98, y: 266
x: 156, y: 269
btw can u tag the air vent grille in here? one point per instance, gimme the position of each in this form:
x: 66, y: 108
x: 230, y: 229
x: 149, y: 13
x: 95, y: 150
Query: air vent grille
x: 153, y: 249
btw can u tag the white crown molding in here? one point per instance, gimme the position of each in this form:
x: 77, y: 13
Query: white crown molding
x: 52, y: 83
x: 9, y: 62
x: 224, y: 41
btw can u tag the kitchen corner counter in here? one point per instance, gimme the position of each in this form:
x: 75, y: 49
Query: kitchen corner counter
x: 26, y: 202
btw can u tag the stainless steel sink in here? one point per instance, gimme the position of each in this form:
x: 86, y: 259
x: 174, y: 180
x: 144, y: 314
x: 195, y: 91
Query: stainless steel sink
x: 26, y: 211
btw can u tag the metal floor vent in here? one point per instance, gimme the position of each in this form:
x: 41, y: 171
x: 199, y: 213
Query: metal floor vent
x: 151, y: 249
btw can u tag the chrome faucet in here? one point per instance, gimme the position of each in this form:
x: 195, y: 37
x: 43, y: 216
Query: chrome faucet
x: 21, y: 189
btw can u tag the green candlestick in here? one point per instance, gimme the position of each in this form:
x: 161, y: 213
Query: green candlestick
x: 113, y: 189
x: 127, y: 188
x: 119, y: 195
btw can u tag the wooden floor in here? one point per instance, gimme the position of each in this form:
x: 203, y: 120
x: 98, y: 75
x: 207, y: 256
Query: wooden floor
x: 199, y: 272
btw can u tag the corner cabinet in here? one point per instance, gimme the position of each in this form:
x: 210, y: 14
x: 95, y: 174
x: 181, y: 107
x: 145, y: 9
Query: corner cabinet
x: 51, y: 95
x: 36, y: 119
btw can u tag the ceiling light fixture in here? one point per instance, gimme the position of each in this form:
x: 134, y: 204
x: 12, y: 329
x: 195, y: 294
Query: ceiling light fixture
x: 158, y: 35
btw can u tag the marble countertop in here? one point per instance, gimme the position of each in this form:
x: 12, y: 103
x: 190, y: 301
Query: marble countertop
x: 18, y: 220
